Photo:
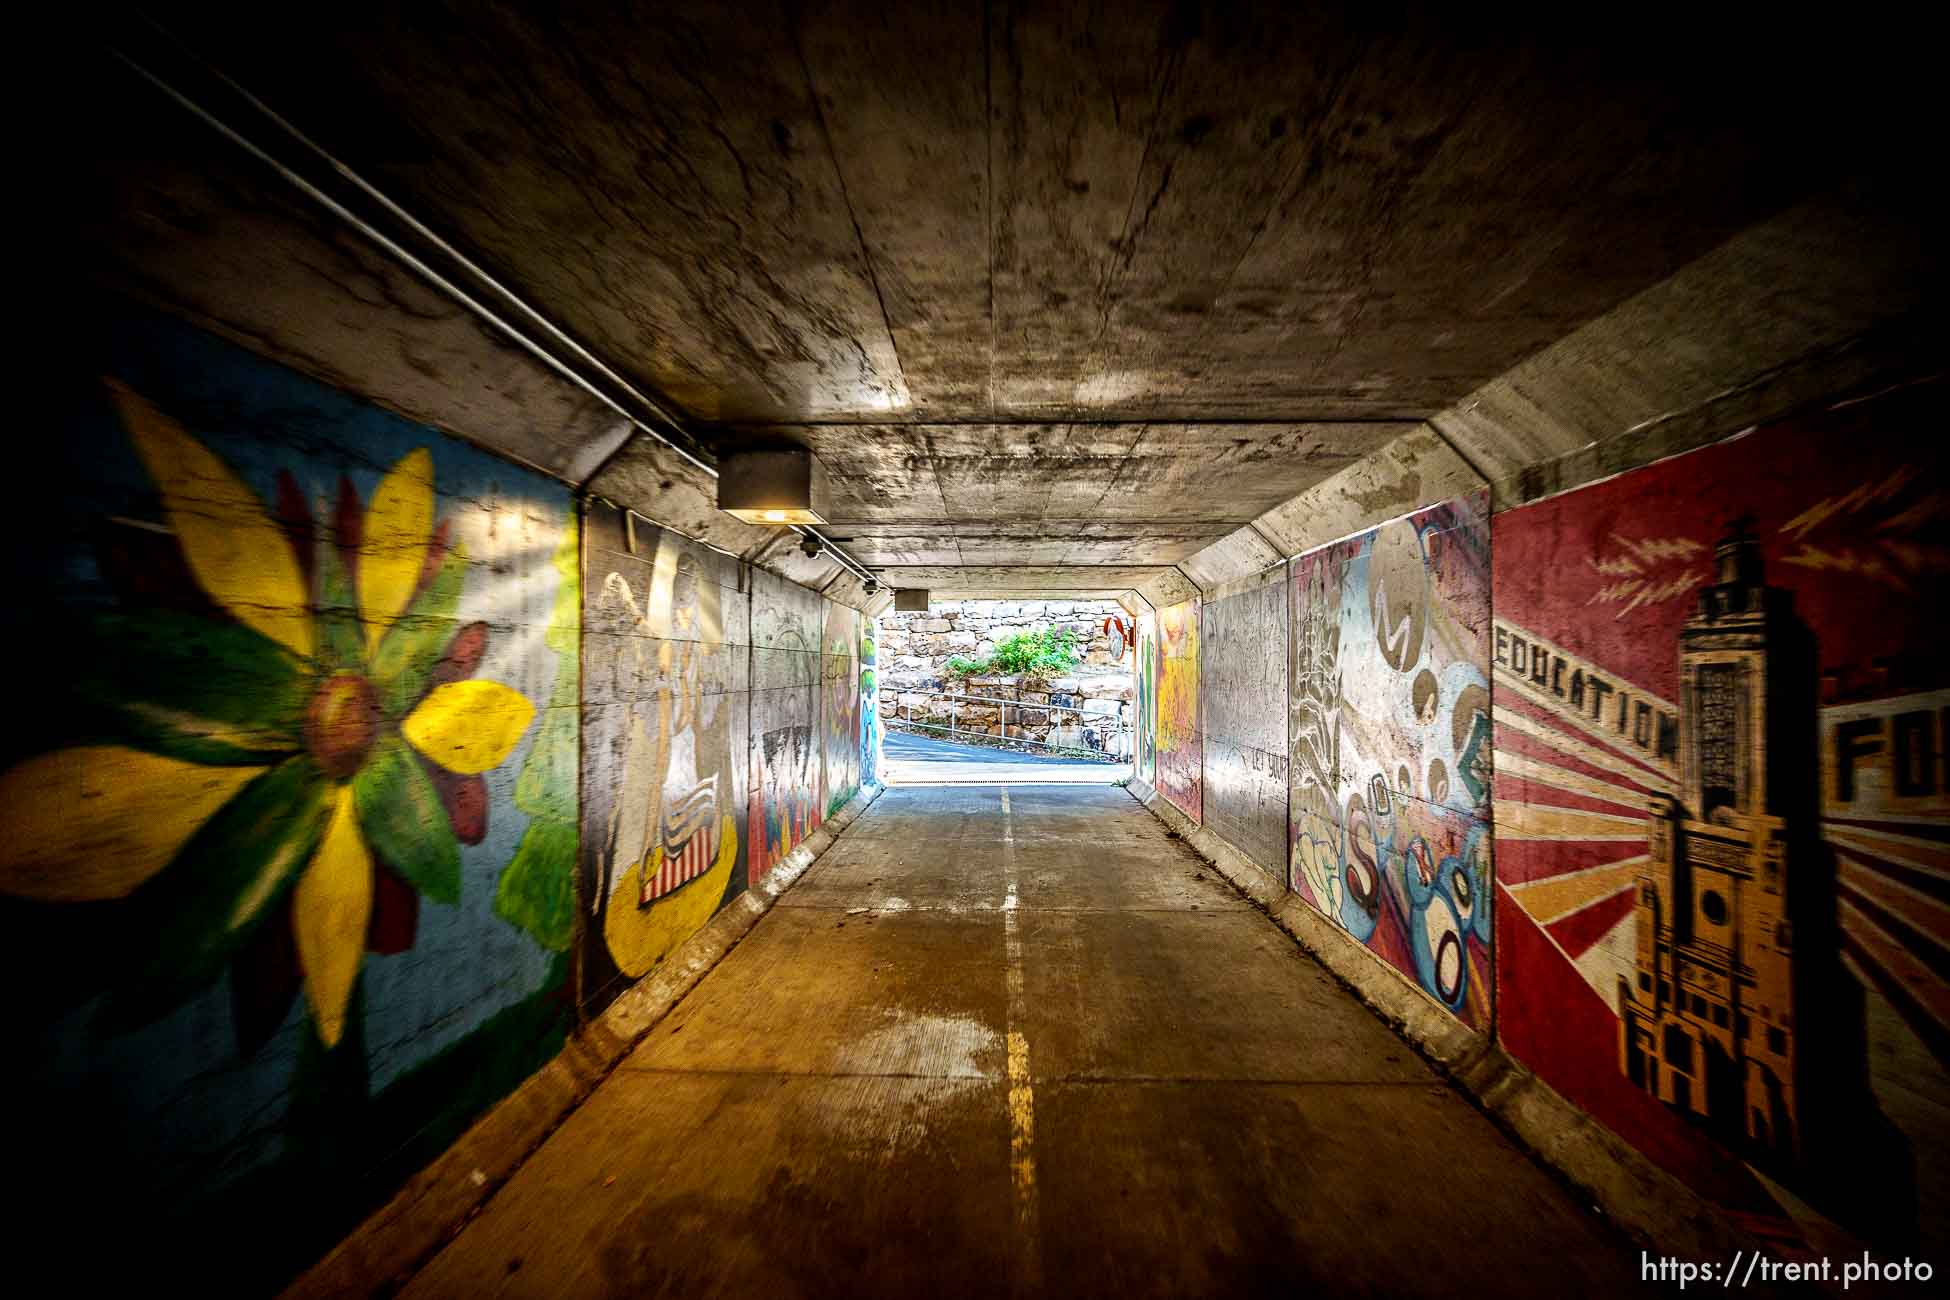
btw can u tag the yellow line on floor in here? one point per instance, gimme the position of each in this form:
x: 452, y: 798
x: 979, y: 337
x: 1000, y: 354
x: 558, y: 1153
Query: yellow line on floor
x: 1022, y: 1092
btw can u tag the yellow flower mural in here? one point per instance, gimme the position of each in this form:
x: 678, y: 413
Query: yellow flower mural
x: 317, y: 734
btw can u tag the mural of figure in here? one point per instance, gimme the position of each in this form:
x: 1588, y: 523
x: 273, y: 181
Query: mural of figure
x: 668, y: 738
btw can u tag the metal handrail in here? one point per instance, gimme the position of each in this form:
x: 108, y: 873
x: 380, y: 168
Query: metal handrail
x: 993, y: 699
x: 1106, y: 726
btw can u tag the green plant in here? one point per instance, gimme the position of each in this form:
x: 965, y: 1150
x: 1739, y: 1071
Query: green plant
x: 1041, y: 651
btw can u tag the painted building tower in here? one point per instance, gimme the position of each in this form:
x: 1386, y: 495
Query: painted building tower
x: 1708, y: 1024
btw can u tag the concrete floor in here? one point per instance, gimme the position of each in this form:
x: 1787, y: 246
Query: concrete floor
x: 1019, y: 1040
x: 923, y: 760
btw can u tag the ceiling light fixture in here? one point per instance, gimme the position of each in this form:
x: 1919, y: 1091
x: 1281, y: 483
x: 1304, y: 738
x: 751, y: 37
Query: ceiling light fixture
x: 779, y: 485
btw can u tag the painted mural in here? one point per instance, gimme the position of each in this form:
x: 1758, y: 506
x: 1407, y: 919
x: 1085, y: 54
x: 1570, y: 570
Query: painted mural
x: 1721, y: 813
x: 1180, y: 761
x: 666, y: 711
x: 1147, y: 697
x: 1388, y: 723
x: 871, y: 736
x: 1243, y: 674
x: 291, y: 810
x: 839, y: 707
x: 786, y: 742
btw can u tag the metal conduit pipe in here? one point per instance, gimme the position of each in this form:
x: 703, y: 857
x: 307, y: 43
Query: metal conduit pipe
x: 434, y: 277
x: 419, y: 266
x: 846, y: 561
x: 420, y: 228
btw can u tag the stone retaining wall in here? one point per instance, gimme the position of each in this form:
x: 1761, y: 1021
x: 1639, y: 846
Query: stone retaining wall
x: 1081, y: 708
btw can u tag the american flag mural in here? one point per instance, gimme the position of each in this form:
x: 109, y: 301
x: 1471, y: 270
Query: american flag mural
x: 689, y: 844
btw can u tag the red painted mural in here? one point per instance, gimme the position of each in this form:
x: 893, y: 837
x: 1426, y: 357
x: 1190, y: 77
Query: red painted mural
x: 1722, y: 834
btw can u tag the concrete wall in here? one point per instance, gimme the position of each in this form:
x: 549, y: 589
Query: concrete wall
x: 1713, y: 780
x: 1242, y: 684
x: 298, y: 828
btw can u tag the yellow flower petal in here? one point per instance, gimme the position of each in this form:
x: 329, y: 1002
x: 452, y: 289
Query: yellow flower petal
x: 393, y: 548
x: 94, y: 822
x: 329, y: 916
x: 239, y: 556
x: 469, y: 727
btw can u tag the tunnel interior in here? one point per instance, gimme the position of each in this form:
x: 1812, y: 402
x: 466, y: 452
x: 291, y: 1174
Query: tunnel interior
x: 1478, y: 487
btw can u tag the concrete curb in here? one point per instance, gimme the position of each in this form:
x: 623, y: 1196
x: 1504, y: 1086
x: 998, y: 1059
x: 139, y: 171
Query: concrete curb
x: 399, y: 1238
x: 1651, y: 1205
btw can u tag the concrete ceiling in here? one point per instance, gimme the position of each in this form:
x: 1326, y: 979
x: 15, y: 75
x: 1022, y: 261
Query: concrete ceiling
x: 1065, y: 295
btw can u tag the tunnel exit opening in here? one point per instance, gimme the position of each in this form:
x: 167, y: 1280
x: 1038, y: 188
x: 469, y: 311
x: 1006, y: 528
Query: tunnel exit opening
x: 1007, y: 690
x: 915, y: 759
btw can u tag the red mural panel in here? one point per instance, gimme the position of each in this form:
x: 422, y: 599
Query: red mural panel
x: 1720, y: 705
